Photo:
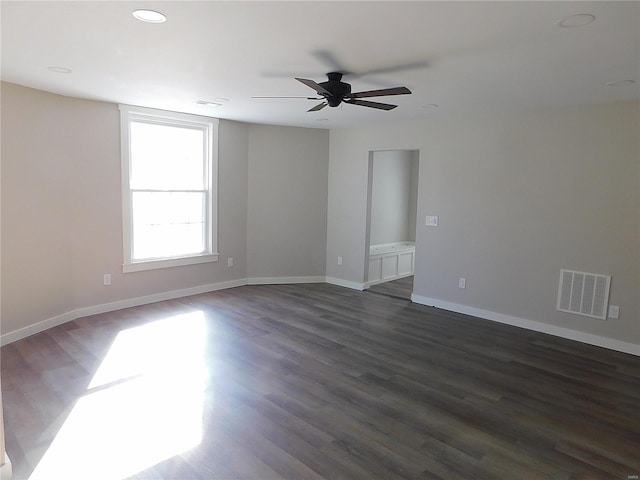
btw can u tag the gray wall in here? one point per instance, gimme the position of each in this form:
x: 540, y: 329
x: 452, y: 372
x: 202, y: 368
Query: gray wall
x: 519, y: 197
x: 287, y: 217
x: 393, y: 196
x: 61, y: 207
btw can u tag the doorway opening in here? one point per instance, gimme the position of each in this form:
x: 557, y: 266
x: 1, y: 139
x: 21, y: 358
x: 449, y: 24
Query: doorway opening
x: 392, y: 200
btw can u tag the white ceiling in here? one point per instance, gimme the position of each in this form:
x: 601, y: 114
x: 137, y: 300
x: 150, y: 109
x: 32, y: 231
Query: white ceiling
x: 463, y: 56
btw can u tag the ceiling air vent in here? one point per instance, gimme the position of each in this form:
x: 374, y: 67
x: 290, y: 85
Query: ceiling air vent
x: 584, y: 293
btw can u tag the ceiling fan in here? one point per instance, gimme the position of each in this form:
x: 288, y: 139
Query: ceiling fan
x: 334, y: 91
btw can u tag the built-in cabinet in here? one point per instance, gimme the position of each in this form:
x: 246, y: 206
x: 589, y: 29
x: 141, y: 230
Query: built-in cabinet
x: 391, y: 261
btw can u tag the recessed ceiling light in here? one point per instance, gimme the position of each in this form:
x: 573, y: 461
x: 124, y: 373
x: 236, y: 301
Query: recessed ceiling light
x: 429, y: 105
x: 149, y: 16
x: 207, y: 103
x: 577, y: 20
x: 60, y: 69
x: 621, y: 83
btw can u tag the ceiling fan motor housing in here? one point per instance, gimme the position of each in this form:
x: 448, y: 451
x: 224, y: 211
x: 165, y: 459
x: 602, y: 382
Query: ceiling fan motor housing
x: 337, y: 88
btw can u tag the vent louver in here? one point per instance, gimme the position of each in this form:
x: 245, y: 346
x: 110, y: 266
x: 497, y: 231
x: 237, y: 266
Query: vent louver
x: 584, y: 293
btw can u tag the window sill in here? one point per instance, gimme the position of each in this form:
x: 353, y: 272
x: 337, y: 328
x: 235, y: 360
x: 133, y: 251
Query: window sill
x: 168, y: 263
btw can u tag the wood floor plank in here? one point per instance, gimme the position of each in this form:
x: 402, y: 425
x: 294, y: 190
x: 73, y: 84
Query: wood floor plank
x: 401, y: 288
x: 320, y: 382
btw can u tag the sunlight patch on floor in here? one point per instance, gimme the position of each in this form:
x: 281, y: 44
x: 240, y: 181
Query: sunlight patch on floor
x: 143, y: 405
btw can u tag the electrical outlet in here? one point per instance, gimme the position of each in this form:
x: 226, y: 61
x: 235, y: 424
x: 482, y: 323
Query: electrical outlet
x: 339, y: 260
x: 106, y: 279
x: 462, y: 283
x: 431, y: 221
x: 230, y: 262
x: 614, y: 311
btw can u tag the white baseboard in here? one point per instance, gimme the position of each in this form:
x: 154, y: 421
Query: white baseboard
x: 34, y: 328
x: 345, y: 283
x: 158, y: 297
x: 596, y: 340
x: 283, y: 280
x: 134, y: 302
x: 112, y: 306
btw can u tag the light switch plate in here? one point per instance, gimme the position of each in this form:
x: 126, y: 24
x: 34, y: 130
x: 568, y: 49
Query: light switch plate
x: 431, y: 221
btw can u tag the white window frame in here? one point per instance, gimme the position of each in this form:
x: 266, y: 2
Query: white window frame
x: 162, y: 117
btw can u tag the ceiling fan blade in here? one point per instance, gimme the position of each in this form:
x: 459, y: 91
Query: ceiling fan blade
x: 366, y: 103
x: 318, y: 88
x: 392, y: 69
x: 330, y: 60
x: 320, y: 106
x: 382, y: 93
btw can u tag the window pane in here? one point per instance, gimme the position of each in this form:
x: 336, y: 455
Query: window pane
x: 168, y: 224
x: 168, y: 207
x: 165, y: 241
x: 167, y: 158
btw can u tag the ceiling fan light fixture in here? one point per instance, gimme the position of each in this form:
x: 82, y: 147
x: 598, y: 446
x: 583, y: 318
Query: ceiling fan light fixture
x: 149, y: 16
x: 577, y: 20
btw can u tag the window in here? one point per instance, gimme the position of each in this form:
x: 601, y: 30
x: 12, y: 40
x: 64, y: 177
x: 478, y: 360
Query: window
x: 169, y: 180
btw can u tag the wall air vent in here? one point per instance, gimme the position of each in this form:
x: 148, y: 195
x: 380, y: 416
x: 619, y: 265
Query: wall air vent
x: 584, y: 293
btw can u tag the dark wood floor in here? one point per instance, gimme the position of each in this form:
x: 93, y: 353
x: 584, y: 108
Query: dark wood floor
x: 316, y: 381
x: 401, y: 288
